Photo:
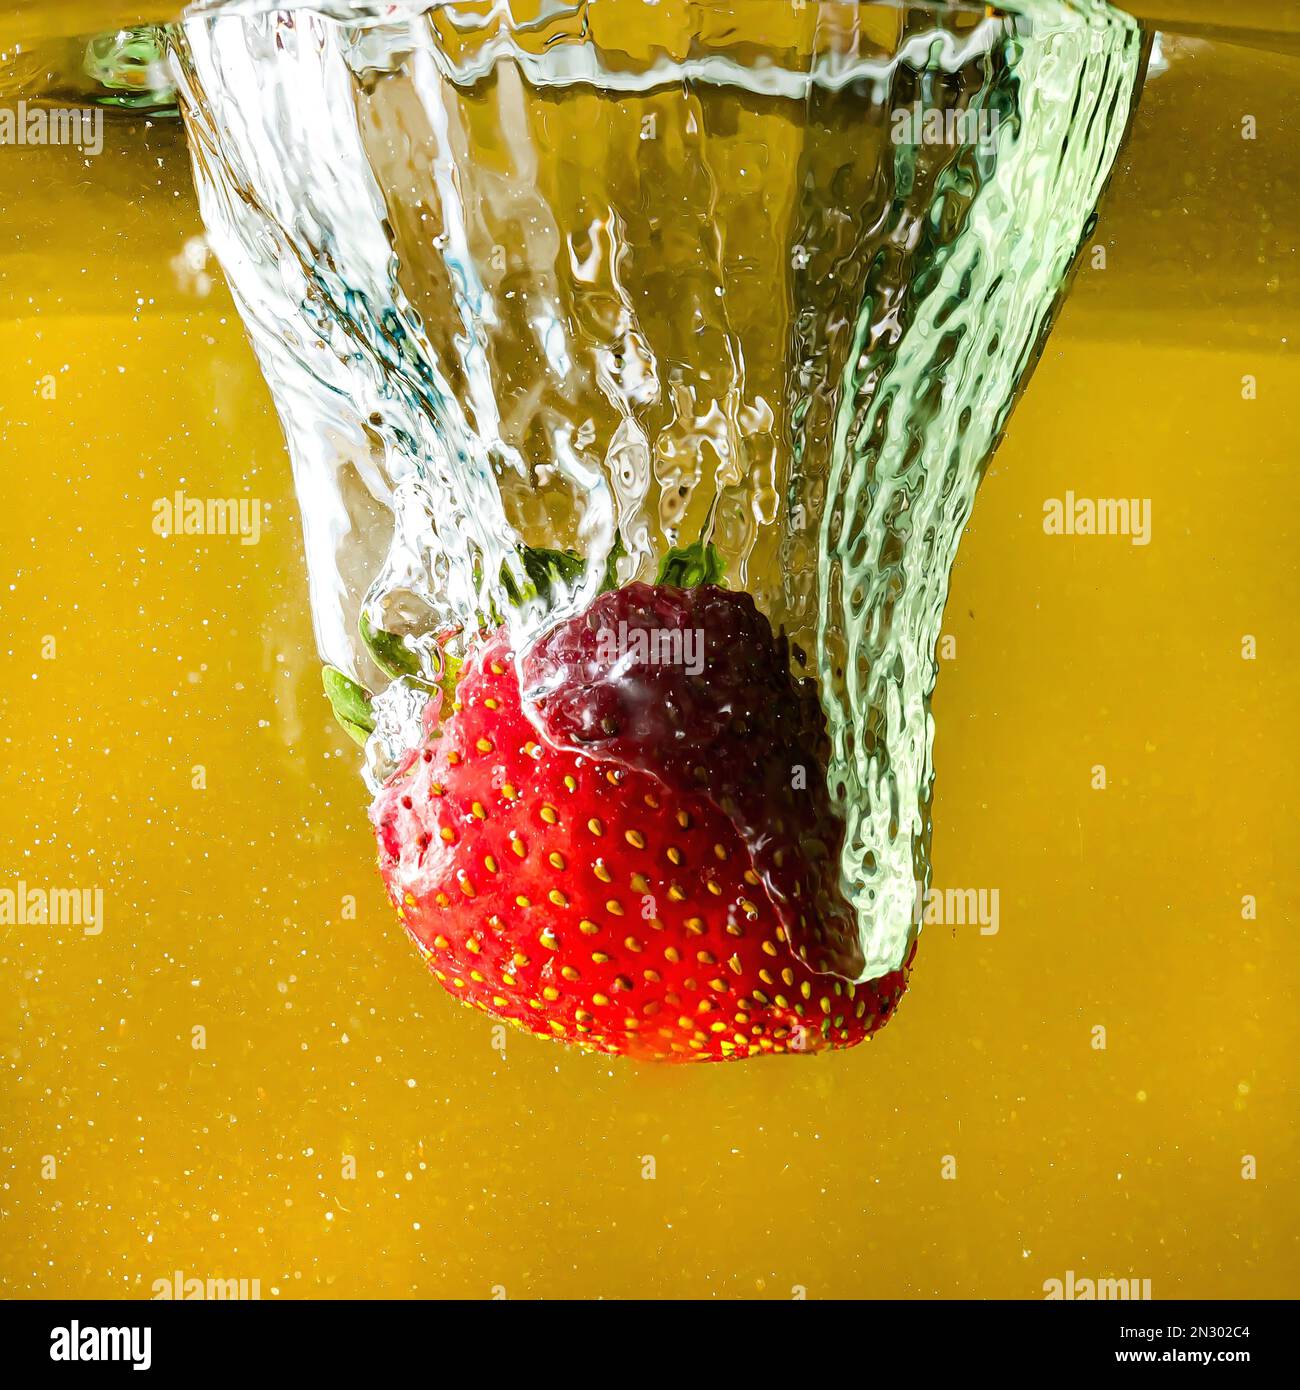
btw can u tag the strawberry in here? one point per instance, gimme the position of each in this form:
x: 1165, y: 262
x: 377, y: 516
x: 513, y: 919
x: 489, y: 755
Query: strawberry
x: 648, y: 865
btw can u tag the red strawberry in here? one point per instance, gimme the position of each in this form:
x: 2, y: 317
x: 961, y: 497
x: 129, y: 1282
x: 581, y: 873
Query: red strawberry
x: 651, y: 868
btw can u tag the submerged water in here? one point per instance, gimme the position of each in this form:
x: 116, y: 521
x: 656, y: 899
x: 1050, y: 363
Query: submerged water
x: 616, y: 278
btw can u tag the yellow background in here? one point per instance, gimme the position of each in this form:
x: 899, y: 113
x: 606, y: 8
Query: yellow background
x: 476, y: 1172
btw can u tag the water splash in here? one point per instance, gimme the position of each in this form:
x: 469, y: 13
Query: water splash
x: 614, y: 277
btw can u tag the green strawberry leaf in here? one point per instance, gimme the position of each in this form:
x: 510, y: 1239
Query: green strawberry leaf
x: 544, y: 568
x: 685, y: 567
x: 391, y: 654
x: 350, y: 702
x: 450, y: 675
x: 397, y: 661
x: 617, y: 551
x: 356, y: 732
